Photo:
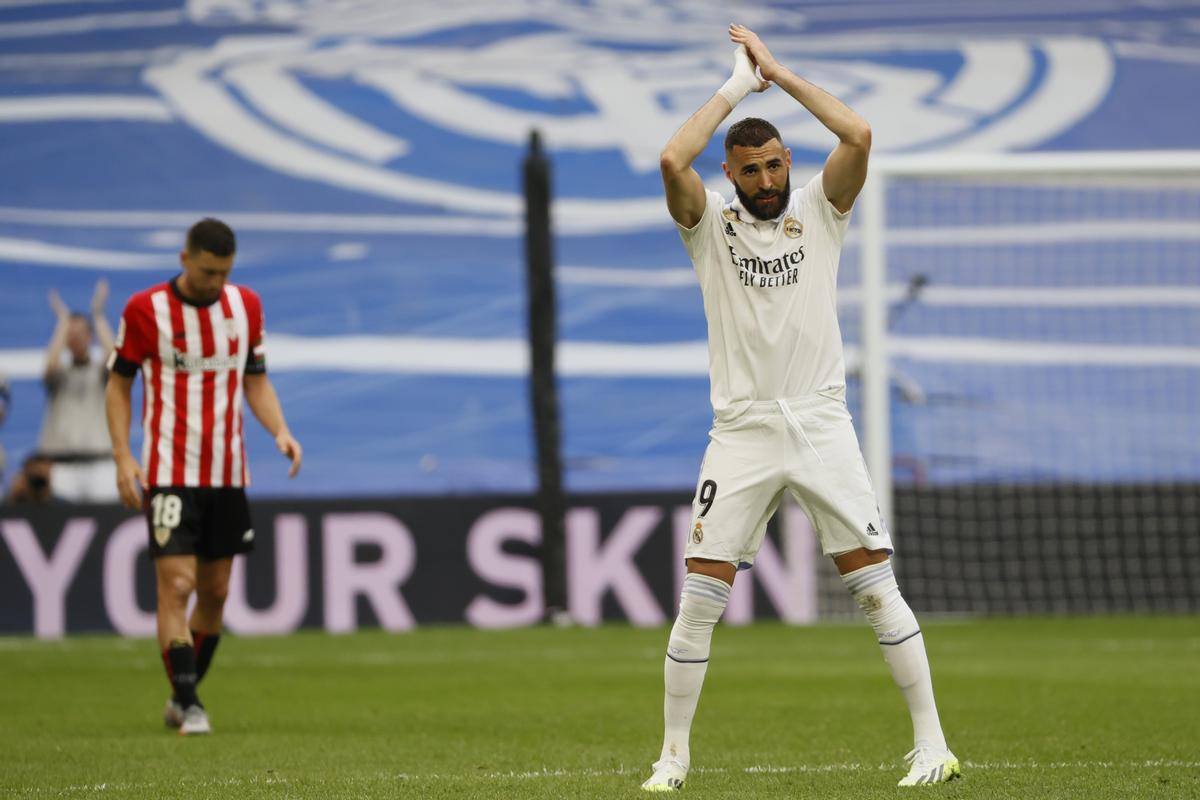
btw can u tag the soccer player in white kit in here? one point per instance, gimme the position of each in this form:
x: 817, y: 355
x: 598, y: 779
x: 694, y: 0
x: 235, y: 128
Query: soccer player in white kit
x: 767, y: 265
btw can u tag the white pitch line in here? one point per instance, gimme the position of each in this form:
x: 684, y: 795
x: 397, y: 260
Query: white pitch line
x: 546, y: 772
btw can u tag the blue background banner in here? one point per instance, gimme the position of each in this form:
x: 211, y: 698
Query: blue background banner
x: 368, y: 157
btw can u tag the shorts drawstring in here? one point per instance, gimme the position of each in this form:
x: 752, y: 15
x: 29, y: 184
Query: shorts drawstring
x: 794, y: 422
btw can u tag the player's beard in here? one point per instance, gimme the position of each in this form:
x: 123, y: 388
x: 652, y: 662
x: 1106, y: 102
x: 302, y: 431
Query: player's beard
x: 197, y: 294
x: 756, y: 207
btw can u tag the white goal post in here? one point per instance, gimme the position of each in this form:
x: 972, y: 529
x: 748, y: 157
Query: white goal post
x: 1046, y: 169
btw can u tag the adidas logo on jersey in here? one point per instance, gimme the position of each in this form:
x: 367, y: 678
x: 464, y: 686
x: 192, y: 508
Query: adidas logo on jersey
x: 871, y: 530
x: 729, y: 229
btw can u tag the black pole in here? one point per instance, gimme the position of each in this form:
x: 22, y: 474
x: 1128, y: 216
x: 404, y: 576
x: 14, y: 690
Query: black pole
x: 551, y: 501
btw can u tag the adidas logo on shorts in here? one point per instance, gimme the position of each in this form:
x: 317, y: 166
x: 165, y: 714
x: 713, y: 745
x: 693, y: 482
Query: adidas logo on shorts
x: 871, y: 529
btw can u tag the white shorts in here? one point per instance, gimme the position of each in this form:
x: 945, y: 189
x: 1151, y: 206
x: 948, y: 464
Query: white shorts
x: 805, y: 445
x: 93, y: 481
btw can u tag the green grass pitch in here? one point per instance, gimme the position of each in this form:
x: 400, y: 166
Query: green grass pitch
x: 1035, y: 708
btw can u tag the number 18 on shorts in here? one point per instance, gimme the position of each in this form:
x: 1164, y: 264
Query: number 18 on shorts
x: 209, y: 523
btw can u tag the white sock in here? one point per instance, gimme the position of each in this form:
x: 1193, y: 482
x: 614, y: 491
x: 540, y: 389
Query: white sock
x: 875, y: 589
x: 700, y: 606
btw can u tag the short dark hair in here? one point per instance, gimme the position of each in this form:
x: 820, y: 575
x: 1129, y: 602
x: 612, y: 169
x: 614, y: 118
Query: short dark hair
x: 212, y: 236
x: 750, y: 132
x: 79, y: 315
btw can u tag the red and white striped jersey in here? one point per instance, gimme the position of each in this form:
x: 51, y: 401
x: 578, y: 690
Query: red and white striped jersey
x: 192, y: 358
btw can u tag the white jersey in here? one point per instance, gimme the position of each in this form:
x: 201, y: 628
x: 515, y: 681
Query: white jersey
x: 770, y: 296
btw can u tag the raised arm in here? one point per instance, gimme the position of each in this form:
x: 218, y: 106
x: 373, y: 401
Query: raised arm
x: 685, y: 189
x: 58, y: 339
x: 846, y: 168
x: 104, y: 332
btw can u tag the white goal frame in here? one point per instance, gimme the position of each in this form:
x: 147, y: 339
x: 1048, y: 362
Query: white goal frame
x: 877, y: 446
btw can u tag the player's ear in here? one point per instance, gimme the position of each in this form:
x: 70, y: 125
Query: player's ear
x: 787, y: 151
x: 728, y: 173
x: 183, y: 258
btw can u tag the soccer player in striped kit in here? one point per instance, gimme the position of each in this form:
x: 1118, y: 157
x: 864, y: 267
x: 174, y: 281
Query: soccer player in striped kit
x: 198, y: 341
x: 767, y: 266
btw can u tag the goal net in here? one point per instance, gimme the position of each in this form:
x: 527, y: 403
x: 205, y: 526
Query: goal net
x: 1024, y: 333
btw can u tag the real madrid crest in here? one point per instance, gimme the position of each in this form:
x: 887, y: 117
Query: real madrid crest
x: 731, y: 214
x: 792, y: 227
x: 698, y: 533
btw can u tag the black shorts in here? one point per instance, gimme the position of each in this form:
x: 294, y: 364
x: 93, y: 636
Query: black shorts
x: 209, y: 523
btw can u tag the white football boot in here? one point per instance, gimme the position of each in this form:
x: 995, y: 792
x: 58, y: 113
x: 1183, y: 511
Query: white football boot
x: 928, y: 766
x: 173, y: 713
x: 195, y: 721
x: 669, y: 775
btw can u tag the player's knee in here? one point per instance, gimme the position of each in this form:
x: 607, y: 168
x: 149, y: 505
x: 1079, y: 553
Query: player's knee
x: 176, y: 588
x: 213, y: 595
x: 875, y: 590
x: 701, y: 604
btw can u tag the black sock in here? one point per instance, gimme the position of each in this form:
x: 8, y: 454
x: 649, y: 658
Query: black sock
x: 181, y: 669
x: 205, y: 647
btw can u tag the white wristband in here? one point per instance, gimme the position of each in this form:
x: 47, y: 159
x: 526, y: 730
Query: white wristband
x: 734, y: 91
x: 743, y: 81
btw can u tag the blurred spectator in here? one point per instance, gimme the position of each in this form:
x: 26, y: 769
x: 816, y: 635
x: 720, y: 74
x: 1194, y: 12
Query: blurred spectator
x: 31, y: 486
x: 75, y: 430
